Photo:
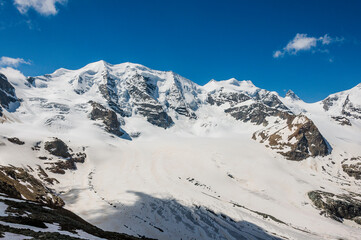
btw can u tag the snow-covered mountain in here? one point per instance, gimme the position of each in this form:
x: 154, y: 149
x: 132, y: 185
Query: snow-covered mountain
x: 150, y: 153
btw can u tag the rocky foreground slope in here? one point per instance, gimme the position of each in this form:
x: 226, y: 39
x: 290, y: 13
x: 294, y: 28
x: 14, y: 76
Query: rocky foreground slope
x: 150, y: 153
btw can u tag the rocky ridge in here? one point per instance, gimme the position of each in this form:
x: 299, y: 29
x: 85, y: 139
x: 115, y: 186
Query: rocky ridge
x: 8, y: 99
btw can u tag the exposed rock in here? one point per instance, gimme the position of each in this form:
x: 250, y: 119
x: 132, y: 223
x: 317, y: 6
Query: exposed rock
x: 134, y: 134
x: 297, y: 139
x: 16, y: 140
x: 348, y: 109
x: 54, y: 119
x: 290, y: 94
x: 219, y: 98
x: 8, y: 99
x: 352, y: 167
x: 256, y: 113
x: 155, y: 114
x: 141, y: 90
x: 30, y: 81
x: 45, y: 177
x: 18, y: 182
x: 59, y: 167
x: 61, y: 108
x: 69, y: 164
x: 36, y: 146
x: 342, y: 120
x: 58, y: 148
x: 108, y: 117
x: 67, y: 159
x: 29, y: 215
x: 9, y: 189
x: 328, y: 102
x: 337, y: 207
x: 183, y: 110
x: 271, y: 100
x: 109, y: 92
x: 351, y: 110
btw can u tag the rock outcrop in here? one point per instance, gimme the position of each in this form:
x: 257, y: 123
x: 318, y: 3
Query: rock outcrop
x: 297, y: 138
x: 66, y: 158
x: 108, y: 117
x: 20, y: 183
x: 26, y: 219
x: 349, y: 109
x: 345, y: 104
x: 342, y: 120
x: 352, y: 167
x: 219, y: 98
x: 16, y: 140
x: 256, y: 113
x: 8, y: 99
x: 337, y: 207
x: 141, y: 90
x: 57, y: 148
x: 290, y: 94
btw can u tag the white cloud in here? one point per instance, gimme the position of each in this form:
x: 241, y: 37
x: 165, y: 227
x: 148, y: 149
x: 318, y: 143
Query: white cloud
x: 14, y: 76
x: 13, y: 62
x: 44, y: 7
x: 302, y: 42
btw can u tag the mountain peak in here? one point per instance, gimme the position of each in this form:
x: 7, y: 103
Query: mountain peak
x: 290, y: 94
x: 101, y: 64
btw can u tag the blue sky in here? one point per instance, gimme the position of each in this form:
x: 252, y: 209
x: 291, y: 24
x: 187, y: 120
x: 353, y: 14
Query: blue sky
x: 311, y: 47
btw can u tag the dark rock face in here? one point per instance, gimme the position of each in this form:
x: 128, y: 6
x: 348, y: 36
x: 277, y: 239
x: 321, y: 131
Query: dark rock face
x: 9, y: 190
x: 109, y: 118
x: 221, y: 97
x: 255, y: 113
x: 271, y: 100
x: 30, y: 81
x: 60, y: 108
x: 352, y: 167
x: 175, y: 99
x: 310, y: 141
x: 17, y: 182
x: 342, y: 120
x: 109, y: 92
x: 328, y: 102
x: 30, y: 214
x: 7, y: 94
x: 337, y: 207
x: 303, y: 138
x: 265, y: 104
x: 292, y: 95
x: 141, y: 90
x: 350, y: 110
x: 16, y: 140
x: 57, y: 148
x: 155, y: 114
x: 183, y: 110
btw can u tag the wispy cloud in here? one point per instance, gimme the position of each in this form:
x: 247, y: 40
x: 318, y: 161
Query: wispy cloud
x: 14, y: 76
x: 302, y: 42
x: 12, y: 62
x: 43, y: 7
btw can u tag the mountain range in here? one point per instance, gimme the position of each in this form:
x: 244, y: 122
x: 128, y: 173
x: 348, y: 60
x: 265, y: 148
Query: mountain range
x: 137, y: 152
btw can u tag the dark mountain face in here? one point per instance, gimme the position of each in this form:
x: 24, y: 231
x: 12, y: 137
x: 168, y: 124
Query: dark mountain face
x: 290, y: 94
x: 7, y: 95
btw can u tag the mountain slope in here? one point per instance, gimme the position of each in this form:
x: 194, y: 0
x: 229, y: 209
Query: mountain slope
x: 150, y: 153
